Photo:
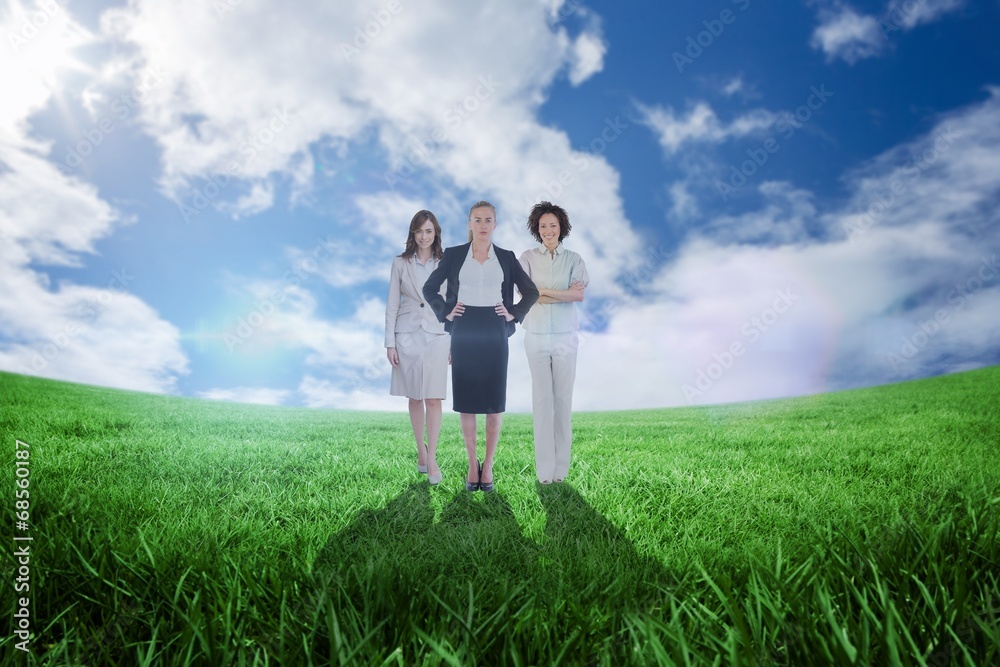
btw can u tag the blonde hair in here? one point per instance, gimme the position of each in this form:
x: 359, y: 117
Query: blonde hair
x: 481, y: 204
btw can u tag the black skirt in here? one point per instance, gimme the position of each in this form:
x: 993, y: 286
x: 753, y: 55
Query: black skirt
x: 479, y: 361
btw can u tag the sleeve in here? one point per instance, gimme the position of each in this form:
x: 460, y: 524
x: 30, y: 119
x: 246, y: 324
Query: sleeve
x: 529, y: 293
x: 579, y: 272
x: 392, y: 304
x: 525, y: 264
x: 432, y: 287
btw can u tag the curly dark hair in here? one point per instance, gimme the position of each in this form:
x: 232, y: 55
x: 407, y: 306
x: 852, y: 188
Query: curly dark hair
x: 540, y: 209
x: 416, y: 223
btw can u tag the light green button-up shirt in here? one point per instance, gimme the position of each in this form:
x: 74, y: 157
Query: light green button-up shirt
x: 550, y: 271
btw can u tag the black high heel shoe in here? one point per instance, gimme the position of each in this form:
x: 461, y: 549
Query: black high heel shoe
x: 485, y: 487
x: 474, y: 486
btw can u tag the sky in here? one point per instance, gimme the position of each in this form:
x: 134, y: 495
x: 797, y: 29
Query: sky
x: 204, y: 198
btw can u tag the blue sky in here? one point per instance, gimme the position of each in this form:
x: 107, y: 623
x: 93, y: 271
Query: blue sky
x: 204, y: 198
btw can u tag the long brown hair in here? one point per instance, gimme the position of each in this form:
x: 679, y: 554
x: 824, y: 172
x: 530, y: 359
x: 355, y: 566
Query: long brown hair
x: 416, y: 223
x: 482, y: 204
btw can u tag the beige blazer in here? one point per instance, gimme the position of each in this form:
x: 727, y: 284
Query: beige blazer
x: 406, y: 309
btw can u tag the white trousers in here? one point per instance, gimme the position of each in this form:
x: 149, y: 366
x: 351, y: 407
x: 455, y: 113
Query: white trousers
x: 552, y: 360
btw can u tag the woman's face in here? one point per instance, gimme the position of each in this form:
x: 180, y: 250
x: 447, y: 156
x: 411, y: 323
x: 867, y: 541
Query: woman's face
x: 482, y: 222
x: 548, y: 229
x: 424, y: 235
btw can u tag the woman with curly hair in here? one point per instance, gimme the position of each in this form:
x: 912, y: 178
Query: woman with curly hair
x: 551, y: 339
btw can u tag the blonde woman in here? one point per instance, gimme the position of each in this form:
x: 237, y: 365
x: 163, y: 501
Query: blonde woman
x: 478, y: 310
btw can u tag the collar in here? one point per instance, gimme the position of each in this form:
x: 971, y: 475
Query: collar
x: 490, y: 253
x: 542, y: 250
x: 430, y: 260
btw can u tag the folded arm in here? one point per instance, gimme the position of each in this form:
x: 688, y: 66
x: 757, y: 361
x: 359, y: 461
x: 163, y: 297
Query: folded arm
x: 571, y: 295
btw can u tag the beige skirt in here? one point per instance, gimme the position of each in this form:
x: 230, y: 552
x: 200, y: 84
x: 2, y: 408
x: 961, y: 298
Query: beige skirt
x: 423, y: 365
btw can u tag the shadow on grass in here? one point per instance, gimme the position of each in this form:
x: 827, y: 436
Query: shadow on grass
x: 587, y: 559
x: 471, y: 583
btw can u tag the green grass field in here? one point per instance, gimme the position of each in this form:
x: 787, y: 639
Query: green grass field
x: 851, y: 528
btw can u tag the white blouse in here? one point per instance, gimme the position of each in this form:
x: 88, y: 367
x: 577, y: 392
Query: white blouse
x: 480, y: 284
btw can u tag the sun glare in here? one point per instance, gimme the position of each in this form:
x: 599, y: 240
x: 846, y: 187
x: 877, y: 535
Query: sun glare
x: 41, y: 43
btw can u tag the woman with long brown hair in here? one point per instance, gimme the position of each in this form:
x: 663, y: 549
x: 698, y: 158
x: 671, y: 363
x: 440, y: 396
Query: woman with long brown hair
x: 416, y: 344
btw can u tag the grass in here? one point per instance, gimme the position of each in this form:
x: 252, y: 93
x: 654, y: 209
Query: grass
x: 858, y: 527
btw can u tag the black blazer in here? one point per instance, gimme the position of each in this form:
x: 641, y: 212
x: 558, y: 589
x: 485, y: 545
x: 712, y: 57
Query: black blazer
x: 448, y: 269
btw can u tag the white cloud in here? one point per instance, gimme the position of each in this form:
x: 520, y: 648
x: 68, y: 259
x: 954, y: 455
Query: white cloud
x: 319, y: 393
x: 260, y: 198
x: 52, y: 217
x: 588, y: 57
x: 342, y: 261
x: 349, y: 346
x: 861, y: 293
x: 39, y: 44
x: 733, y: 86
x: 255, y: 395
x: 844, y: 33
x: 784, y: 219
x: 701, y: 125
x: 94, y: 334
x: 470, y: 127
x: 684, y: 204
x: 694, y: 311
x: 475, y: 121
x: 222, y: 91
x: 102, y: 336
x: 755, y: 307
x: 387, y: 217
x: 848, y: 35
x: 98, y: 335
x: 911, y: 14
